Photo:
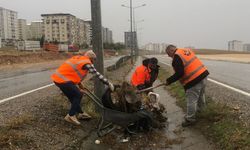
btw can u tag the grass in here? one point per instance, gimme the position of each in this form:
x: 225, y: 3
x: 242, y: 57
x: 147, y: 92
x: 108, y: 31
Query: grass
x: 11, y: 136
x: 217, y: 122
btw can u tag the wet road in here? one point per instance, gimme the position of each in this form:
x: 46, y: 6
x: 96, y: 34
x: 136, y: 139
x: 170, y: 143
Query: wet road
x: 21, y: 80
x: 234, y: 74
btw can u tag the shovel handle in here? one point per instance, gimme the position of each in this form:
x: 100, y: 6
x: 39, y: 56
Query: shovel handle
x: 150, y: 88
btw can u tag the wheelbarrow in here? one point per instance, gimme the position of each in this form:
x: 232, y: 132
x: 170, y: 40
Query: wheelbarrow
x: 110, y: 119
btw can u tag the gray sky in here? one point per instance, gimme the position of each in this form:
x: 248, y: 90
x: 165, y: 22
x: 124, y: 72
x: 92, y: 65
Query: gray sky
x: 199, y: 23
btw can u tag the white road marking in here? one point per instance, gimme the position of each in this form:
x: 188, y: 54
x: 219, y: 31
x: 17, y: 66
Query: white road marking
x: 230, y: 87
x: 222, y: 84
x: 31, y: 91
x: 25, y: 93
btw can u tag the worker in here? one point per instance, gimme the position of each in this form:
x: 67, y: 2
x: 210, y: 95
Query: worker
x: 141, y: 78
x: 69, y: 75
x: 192, y: 74
x: 154, y: 70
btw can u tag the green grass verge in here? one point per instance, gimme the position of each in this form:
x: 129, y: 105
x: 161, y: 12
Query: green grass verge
x: 217, y: 122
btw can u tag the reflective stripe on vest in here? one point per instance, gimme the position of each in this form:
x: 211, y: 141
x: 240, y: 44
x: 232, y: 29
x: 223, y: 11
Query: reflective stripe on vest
x: 192, y: 73
x: 61, y: 76
x: 74, y: 67
x: 186, y: 63
x: 193, y: 67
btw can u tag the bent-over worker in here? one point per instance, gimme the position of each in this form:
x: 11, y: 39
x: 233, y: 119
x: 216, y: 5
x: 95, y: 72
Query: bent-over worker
x: 69, y: 75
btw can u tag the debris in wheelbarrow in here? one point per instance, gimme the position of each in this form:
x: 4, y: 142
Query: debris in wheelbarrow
x: 123, y: 108
x: 126, y: 99
x: 112, y: 117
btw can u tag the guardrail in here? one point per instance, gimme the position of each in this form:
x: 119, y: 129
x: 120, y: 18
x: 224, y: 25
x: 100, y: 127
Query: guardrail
x: 119, y: 63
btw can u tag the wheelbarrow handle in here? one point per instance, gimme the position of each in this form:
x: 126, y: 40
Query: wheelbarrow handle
x: 150, y: 88
x: 93, y: 97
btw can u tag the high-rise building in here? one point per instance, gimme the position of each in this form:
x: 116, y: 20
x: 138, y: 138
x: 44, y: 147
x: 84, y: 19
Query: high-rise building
x: 81, y: 32
x: 8, y: 24
x: 34, y: 30
x: 88, y: 32
x: 60, y: 28
x: 22, y: 29
x: 130, y: 39
x: 235, y: 45
x: 110, y: 36
x: 107, y: 35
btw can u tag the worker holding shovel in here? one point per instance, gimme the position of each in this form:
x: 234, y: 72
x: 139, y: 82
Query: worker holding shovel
x: 192, y: 74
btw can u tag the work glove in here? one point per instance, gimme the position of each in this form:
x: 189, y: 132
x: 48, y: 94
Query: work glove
x: 111, y: 86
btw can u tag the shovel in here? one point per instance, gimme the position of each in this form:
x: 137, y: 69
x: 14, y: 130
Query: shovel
x: 150, y: 88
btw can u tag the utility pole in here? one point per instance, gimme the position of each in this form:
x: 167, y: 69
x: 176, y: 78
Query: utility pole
x: 97, y: 42
x: 131, y: 31
x: 133, y: 36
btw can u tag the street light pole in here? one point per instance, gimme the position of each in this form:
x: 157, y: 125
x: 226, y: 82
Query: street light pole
x: 131, y: 31
x: 97, y: 42
x: 133, y: 36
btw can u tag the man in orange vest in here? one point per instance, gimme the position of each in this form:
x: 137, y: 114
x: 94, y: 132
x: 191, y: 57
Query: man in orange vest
x: 146, y: 74
x: 192, y: 74
x: 69, y: 75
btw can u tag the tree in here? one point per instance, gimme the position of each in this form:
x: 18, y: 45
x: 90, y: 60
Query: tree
x: 115, y: 46
x: 42, y: 39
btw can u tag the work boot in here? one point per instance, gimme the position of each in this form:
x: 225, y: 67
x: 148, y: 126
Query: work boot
x: 72, y: 119
x: 187, y: 123
x: 83, y: 116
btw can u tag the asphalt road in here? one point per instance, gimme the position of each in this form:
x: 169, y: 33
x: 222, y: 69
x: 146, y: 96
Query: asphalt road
x: 234, y: 74
x: 18, y: 81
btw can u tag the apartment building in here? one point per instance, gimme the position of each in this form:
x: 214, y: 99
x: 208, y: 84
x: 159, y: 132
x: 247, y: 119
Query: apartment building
x: 8, y: 24
x: 81, y: 32
x: 107, y: 35
x: 246, y: 47
x: 235, y: 45
x: 34, y: 30
x: 22, y: 29
x: 156, y: 47
x: 60, y: 28
x: 88, y: 32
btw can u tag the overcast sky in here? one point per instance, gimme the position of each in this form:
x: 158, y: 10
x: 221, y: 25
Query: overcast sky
x: 199, y: 23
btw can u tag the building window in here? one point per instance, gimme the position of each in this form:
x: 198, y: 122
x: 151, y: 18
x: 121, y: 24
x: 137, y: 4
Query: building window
x: 62, y: 21
x: 48, y: 21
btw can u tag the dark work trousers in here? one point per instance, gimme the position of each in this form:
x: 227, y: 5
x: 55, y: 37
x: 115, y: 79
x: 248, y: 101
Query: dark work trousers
x: 73, y: 94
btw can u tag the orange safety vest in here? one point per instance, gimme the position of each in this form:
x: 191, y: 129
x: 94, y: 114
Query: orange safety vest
x: 71, y: 70
x: 193, y: 67
x: 140, y: 76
